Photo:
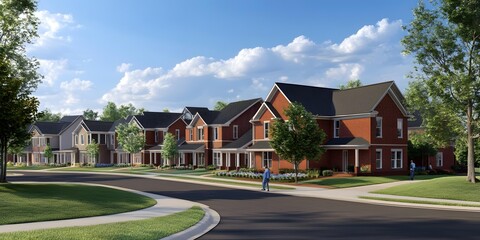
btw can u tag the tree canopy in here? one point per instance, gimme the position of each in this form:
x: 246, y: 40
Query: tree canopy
x: 130, y: 138
x: 18, y: 74
x: 445, y: 41
x: 48, y: 152
x: 47, y: 116
x: 169, y: 148
x: 89, y: 114
x: 297, y: 138
x: 93, y: 149
x: 351, y: 84
x: 112, y: 113
x: 219, y: 105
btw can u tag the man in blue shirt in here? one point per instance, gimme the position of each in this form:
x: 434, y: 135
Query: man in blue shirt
x: 412, y: 169
x: 266, y: 179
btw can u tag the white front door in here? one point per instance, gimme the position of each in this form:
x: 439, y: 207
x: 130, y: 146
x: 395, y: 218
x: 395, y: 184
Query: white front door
x: 345, y: 161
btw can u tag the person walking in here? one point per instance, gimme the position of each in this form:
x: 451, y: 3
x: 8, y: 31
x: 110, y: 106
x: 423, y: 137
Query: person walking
x: 412, y: 170
x: 266, y: 179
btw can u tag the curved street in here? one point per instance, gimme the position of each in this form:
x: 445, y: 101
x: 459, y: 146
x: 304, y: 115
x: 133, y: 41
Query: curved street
x: 249, y: 214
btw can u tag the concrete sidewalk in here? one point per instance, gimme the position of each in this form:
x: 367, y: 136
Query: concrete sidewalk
x: 164, y: 206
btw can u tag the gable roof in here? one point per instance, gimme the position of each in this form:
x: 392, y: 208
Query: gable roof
x: 233, y: 110
x: 151, y: 120
x: 120, y: 121
x: 331, y: 102
x: 98, y: 126
x: 49, y: 127
x: 195, y: 110
x: 241, y: 142
x: 69, y: 119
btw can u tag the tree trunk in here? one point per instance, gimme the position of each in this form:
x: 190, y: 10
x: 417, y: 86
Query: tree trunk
x: 3, y: 149
x: 295, y: 165
x: 470, y: 156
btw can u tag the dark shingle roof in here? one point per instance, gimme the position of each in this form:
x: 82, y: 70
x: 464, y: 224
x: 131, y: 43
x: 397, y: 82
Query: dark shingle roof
x: 50, y: 127
x: 192, y: 147
x: 272, y: 108
x: 330, y: 102
x: 98, y: 126
x: 120, y: 121
x: 157, y: 119
x: 416, y: 121
x: 195, y: 110
x: 242, y: 141
x: 210, y: 116
x: 261, y: 145
x: 357, y: 141
x: 69, y: 119
x: 233, y: 109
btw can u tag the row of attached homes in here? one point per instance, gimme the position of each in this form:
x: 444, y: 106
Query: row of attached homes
x: 366, y: 128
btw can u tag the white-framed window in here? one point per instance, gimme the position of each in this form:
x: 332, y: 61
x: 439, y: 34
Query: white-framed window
x: 182, y: 159
x: 112, y: 139
x: 201, y: 159
x: 397, y: 158
x: 400, y: 128
x: 82, y: 139
x: 89, y: 138
x: 177, y: 134
x: 235, y: 131
x: 378, y: 158
x: 76, y: 139
x: 156, y: 136
x: 266, y: 128
x: 191, y: 134
x: 267, y: 159
x: 215, y: 133
x: 378, y: 132
x: 336, y: 128
x: 439, y: 159
x: 200, y: 133
x: 217, y: 160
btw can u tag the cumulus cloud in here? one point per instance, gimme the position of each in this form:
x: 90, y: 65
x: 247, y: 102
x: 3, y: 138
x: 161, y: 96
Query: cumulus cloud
x: 124, y: 67
x: 51, y: 69
x: 76, y: 85
x: 51, y: 25
x: 253, y: 71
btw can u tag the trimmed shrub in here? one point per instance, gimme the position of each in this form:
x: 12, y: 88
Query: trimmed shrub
x: 327, y: 173
x: 9, y: 164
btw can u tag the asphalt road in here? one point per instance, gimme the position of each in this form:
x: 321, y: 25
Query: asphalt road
x: 260, y: 215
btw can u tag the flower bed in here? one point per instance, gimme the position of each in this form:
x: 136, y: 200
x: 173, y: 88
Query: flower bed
x: 285, y: 177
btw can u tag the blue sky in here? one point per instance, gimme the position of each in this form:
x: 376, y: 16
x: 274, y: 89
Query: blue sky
x: 171, y: 54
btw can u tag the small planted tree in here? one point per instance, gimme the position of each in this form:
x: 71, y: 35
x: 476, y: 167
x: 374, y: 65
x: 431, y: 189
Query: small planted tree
x: 48, y: 153
x: 93, y: 149
x: 298, y: 138
x: 169, y: 149
x: 130, y: 138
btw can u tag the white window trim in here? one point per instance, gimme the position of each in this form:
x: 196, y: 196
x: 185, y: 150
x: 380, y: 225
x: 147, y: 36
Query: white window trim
x: 82, y: 139
x: 400, y: 127
x: 439, y: 154
x: 215, y: 133
x: 191, y: 134
x: 177, y: 134
x: 381, y: 158
x: 235, y: 132
x: 269, y: 161
x: 266, y: 133
x: 401, y: 159
x: 381, y: 127
x: 335, y: 134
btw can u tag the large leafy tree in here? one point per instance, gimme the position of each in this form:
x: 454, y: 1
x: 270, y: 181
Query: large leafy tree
x: 297, y: 138
x: 420, y: 146
x: 93, y: 149
x: 48, y: 116
x: 351, y: 84
x: 169, y: 148
x: 219, y: 105
x: 130, y: 138
x: 18, y: 74
x: 112, y: 113
x: 445, y: 40
x: 89, y: 114
x: 48, y: 152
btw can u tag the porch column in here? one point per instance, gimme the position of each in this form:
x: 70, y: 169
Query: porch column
x: 250, y: 160
x: 194, y: 155
x: 221, y: 159
x: 357, y: 167
x: 238, y: 160
x: 228, y: 159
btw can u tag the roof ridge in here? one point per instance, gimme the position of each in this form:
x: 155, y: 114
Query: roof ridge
x: 369, y: 85
x: 302, y: 85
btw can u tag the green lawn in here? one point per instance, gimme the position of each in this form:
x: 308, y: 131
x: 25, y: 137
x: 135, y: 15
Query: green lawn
x: 477, y: 170
x: 153, y: 228
x: 419, y: 201
x: 212, y: 180
x: 346, y: 182
x: 41, y: 202
x: 453, y: 188
x: 33, y: 167
x: 87, y: 169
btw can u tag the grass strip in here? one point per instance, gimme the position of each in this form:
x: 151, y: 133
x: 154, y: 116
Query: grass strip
x: 22, y: 203
x: 420, y: 201
x: 148, y: 229
x: 347, y: 182
x: 452, y: 188
x: 212, y: 180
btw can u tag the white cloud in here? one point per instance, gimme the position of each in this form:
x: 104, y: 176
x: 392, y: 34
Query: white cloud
x: 372, y: 54
x: 76, y: 85
x: 51, y: 25
x: 51, y: 69
x: 123, y: 67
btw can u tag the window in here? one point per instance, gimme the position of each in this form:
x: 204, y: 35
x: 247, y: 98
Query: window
x: 112, y: 139
x: 76, y: 139
x: 200, y: 133
x: 378, y: 158
x: 177, y: 133
x: 397, y: 158
x: 266, y: 126
x: 439, y: 159
x: 156, y: 136
x: 400, y: 128
x: 379, y: 127
x: 336, y: 126
x: 217, y: 161
x: 267, y: 159
x: 235, y: 131
x: 82, y: 139
x: 89, y: 138
x: 191, y: 134
x: 215, y: 133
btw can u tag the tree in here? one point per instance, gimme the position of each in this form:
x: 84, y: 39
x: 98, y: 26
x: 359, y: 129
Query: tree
x: 169, y: 148
x: 111, y: 113
x: 48, y: 153
x: 89, y: 114
x: 445, y: 41
x: 419, y: 146
x: 47, y: 116
x: 18, y: 75
x: 166, y: 110
x: 219, y: 105
x: 297, y: 138
x: 93, y: 149
x: 130, y: 138
x: 351, y: 84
